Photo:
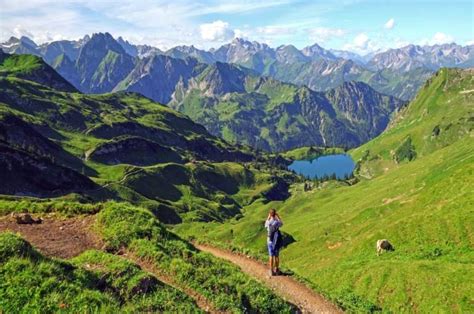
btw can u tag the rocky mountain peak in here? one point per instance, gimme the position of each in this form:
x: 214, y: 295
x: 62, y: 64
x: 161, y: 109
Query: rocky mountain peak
x: 315, y: 51
x: 222, y: 78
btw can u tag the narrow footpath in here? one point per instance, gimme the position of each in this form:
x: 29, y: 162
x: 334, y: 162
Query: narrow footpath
x: 288, y: 288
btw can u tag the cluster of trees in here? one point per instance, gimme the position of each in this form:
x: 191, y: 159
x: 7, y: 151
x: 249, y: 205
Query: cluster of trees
x: 310, y: 183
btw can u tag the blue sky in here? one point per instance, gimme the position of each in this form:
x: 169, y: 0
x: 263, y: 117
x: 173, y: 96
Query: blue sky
x: 360, y: 26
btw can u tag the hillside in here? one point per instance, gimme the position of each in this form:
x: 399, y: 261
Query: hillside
x: 135, y: 265
x: 125, y: 147
x: 33, y: 68
x: 415, y: 190
x: 65, y: 155
x: 241, y: 107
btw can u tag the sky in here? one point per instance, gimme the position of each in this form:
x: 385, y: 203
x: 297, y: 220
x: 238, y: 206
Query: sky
x: 359, y: 26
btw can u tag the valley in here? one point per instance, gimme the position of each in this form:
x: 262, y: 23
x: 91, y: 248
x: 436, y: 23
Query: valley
x: 138, y: 179
x: 424, y: 206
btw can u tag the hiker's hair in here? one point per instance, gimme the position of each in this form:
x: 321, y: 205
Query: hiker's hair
x: 273, y: 212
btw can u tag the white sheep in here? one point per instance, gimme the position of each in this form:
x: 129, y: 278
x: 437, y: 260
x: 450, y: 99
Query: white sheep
x: 384, y: 245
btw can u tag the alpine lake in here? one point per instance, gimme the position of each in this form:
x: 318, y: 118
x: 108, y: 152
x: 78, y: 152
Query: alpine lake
x: 341, y: 165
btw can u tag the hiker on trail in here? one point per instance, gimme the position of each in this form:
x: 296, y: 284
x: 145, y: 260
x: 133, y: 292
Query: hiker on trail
x: 274, y: 238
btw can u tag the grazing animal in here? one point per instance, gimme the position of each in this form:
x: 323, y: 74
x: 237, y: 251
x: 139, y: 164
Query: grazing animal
x: 25, y: 219
x: 384, y: 245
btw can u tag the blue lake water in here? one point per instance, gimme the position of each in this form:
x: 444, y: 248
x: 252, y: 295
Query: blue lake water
x: 339, y: 164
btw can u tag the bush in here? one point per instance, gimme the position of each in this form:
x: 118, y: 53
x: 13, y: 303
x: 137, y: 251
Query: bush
x: 121, y: 223
x: 14, y: 246
x: 406, y: 151
x: 68, y: 208
x: 30, y: 282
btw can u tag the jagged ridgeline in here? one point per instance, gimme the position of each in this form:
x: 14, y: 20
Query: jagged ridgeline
x: 250, y: 93
x: 55, y: 141
x: 224, y: 91
x: 98, y: 62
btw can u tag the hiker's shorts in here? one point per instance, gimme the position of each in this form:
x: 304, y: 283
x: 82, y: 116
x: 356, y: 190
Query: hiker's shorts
x: 273, y: 250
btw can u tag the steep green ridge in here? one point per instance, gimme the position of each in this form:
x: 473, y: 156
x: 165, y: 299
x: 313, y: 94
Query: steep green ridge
x: 33, y: 68
x: 423, y: 206
x: 101, y: 63
x: 259, y: 111
x: 438, y: 116
x: 126, y: 147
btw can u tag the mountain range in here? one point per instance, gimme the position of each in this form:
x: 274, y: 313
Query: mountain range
x: 318, y: 68
x: 240, y: 106
x: 248, y: 92
x: 55, y: 141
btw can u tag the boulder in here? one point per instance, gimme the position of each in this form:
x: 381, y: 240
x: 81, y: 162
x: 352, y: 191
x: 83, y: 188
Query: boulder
x: 26, y: 219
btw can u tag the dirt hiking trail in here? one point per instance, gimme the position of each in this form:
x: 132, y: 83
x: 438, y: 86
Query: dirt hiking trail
x: 202, y: 302
x: 55, y: 237
x: 69, y: 237
x: 293, y: 291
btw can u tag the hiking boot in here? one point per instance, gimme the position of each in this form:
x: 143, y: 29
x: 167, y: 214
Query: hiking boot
x: 278, y: 272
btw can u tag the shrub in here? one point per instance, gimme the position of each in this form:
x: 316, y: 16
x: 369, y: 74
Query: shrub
x: 406, y: 151
x: 14, y: 246
x: 121, y: 223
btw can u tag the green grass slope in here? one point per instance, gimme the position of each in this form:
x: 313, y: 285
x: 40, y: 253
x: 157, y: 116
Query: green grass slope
x: 423, y: 206
x: 124, y: 147
x: 106, y: 282
x: 93, y: 282
x: 441, y: 113
x: 32, y: 68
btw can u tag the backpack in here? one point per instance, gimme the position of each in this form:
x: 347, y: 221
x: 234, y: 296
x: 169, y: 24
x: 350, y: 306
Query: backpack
x: 279, y: 241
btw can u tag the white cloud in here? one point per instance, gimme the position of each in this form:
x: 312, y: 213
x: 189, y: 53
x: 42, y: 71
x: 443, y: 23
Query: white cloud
x: 361, y: 44
x: 469, y: 42
x: 236, y: 7
x: 438, y: 39
x: 441, y: 38
x: 397, y: 43
x: 19, y: 31
x: 390, y: 24
x: 274, y: 30
x: 238, y: 33
x: 323, y: 34
x: 361, y: 41
x: 216, y: 31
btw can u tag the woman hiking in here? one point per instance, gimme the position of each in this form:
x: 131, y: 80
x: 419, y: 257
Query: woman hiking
x: 273, y: 224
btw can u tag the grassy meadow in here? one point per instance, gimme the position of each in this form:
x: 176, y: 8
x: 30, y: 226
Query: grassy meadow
x: 425, y: 207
